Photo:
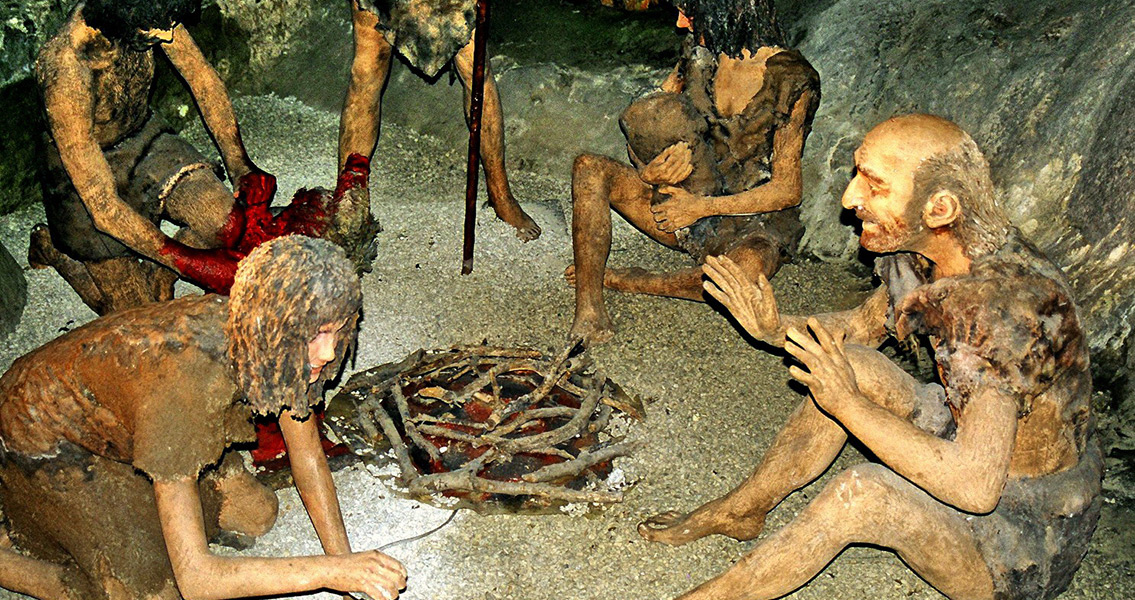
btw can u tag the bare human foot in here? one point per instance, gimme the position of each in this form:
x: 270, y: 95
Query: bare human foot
x: 675, y: 528
x: 614, y: 279
x: 510, y: 212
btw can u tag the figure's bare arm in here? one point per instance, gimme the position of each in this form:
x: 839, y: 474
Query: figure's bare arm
x: 968, y: 472
x: 201, y: 575
x: 314, y: 483
x: 66, y: 83
x: 754, y: 306
x: 783, y: 190
x: 212, y: 99
x: 362, y: 108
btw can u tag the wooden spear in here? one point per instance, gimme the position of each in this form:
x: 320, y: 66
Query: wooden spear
x: 476, y: 107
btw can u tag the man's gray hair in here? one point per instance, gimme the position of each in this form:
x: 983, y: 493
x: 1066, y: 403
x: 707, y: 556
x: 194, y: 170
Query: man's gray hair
x: 962, y: 170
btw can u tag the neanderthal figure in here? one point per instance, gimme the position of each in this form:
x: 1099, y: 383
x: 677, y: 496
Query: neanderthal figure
x: 428, y: 34
x: 988, y: 484
x: 115, y: 169
x: 716, y: 158
x: 113, y: 440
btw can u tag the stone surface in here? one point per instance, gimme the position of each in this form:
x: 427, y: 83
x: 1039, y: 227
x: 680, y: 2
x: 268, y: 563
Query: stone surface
x: 13, y: 293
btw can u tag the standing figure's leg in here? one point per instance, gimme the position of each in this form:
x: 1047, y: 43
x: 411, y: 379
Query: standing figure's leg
x: 867, y: 504
x: 492, y: 148
x: 801, y: 452
x: 599, y: 184
x: 362, y: 108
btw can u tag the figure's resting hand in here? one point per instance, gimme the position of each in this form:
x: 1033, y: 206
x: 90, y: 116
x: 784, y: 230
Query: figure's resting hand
x: 752, y: 304
x: 681, y: 209
x: 372, y: 573
x: 830, y: 376
x: 671, y: 167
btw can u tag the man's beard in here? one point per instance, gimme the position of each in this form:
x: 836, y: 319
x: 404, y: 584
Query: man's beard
x: 883, y: 237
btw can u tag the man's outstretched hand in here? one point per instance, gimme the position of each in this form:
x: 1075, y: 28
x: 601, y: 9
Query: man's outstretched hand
x: 752, y: 304
x: 830, y: 377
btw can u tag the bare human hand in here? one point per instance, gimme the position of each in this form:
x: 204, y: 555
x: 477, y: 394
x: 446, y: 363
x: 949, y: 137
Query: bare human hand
x: 752, y: 304
x: 372, y: 573
x: 671, y: 167
x: 830, y: 376
x: 682, y: 209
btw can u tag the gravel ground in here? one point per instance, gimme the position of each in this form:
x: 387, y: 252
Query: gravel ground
x: 715, y: 401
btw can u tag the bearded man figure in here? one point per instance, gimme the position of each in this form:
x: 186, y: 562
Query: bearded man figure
x: 429, y: 34
x: 116, y: 170
x: 716, y: 157
x: 114, y: 441
x: 987, y: 483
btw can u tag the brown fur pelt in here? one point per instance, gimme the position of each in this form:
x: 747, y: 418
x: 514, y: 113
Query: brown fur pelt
x: 1010, y: 323
x: 284, y: 291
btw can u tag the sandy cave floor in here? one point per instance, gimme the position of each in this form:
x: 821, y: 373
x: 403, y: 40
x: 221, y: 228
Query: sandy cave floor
x: 716, y: 401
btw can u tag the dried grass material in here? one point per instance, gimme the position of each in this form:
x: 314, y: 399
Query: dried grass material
x: 492, y: 424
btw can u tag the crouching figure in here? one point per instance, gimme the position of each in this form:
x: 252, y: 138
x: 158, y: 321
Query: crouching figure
x: 114, y: 441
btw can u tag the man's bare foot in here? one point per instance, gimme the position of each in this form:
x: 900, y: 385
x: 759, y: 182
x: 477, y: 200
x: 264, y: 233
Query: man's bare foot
x: 510, y: 212
x: 594, y: 326
x: 675, y: 528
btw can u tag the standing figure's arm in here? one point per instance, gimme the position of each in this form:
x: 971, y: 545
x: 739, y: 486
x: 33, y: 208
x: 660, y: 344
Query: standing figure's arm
x: 754, y: 307
x: 361, y: 117
x: 202, y: 575
x: 783, y: 190
x: 212, y: 100
x: 68, y: 98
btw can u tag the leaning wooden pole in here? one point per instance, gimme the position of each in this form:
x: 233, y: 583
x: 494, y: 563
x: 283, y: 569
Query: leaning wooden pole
x: 476, y: 108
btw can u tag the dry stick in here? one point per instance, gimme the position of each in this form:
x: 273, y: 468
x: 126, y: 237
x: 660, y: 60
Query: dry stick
x: 464, y: 481
x: 564, y: 454
x: 551, y: 380
x: 409, y: 472
x: 449, y: 434
x: 550, y: 438
x: 408, y: 423
x: 532, y: 415
x: 500, y: 352
x: 450, y: 421
x: 476, y: 106
x: 584, y: 461
x: 600, y: 422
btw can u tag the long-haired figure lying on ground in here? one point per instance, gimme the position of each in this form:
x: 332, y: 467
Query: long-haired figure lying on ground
x: 113, y: 441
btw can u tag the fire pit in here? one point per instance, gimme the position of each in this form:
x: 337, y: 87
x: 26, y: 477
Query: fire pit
x: 507, y: 426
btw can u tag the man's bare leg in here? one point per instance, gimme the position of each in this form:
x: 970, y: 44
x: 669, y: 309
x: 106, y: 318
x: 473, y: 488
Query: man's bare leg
x: 599, y: 184
x: 492, y: 148
x: 868, y: 504
x: 757, y: 258
x: 801, y: 452
x: 360, y: 119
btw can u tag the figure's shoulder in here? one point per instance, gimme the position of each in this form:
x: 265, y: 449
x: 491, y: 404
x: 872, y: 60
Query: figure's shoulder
x: 791, y: 65
x: 1013, y: 302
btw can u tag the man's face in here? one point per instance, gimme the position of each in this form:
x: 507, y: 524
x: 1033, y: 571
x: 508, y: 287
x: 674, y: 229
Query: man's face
x: 321, y: 348
x: 880, y: 194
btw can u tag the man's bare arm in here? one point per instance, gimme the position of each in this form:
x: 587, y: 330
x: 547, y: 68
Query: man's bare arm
x: 754, y: 306
x: 783, y: 190
x: 212, y: 99
x: 968, y: 472
x: 314, y: 483
x: 66, y: 84
x: 201, y: 575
